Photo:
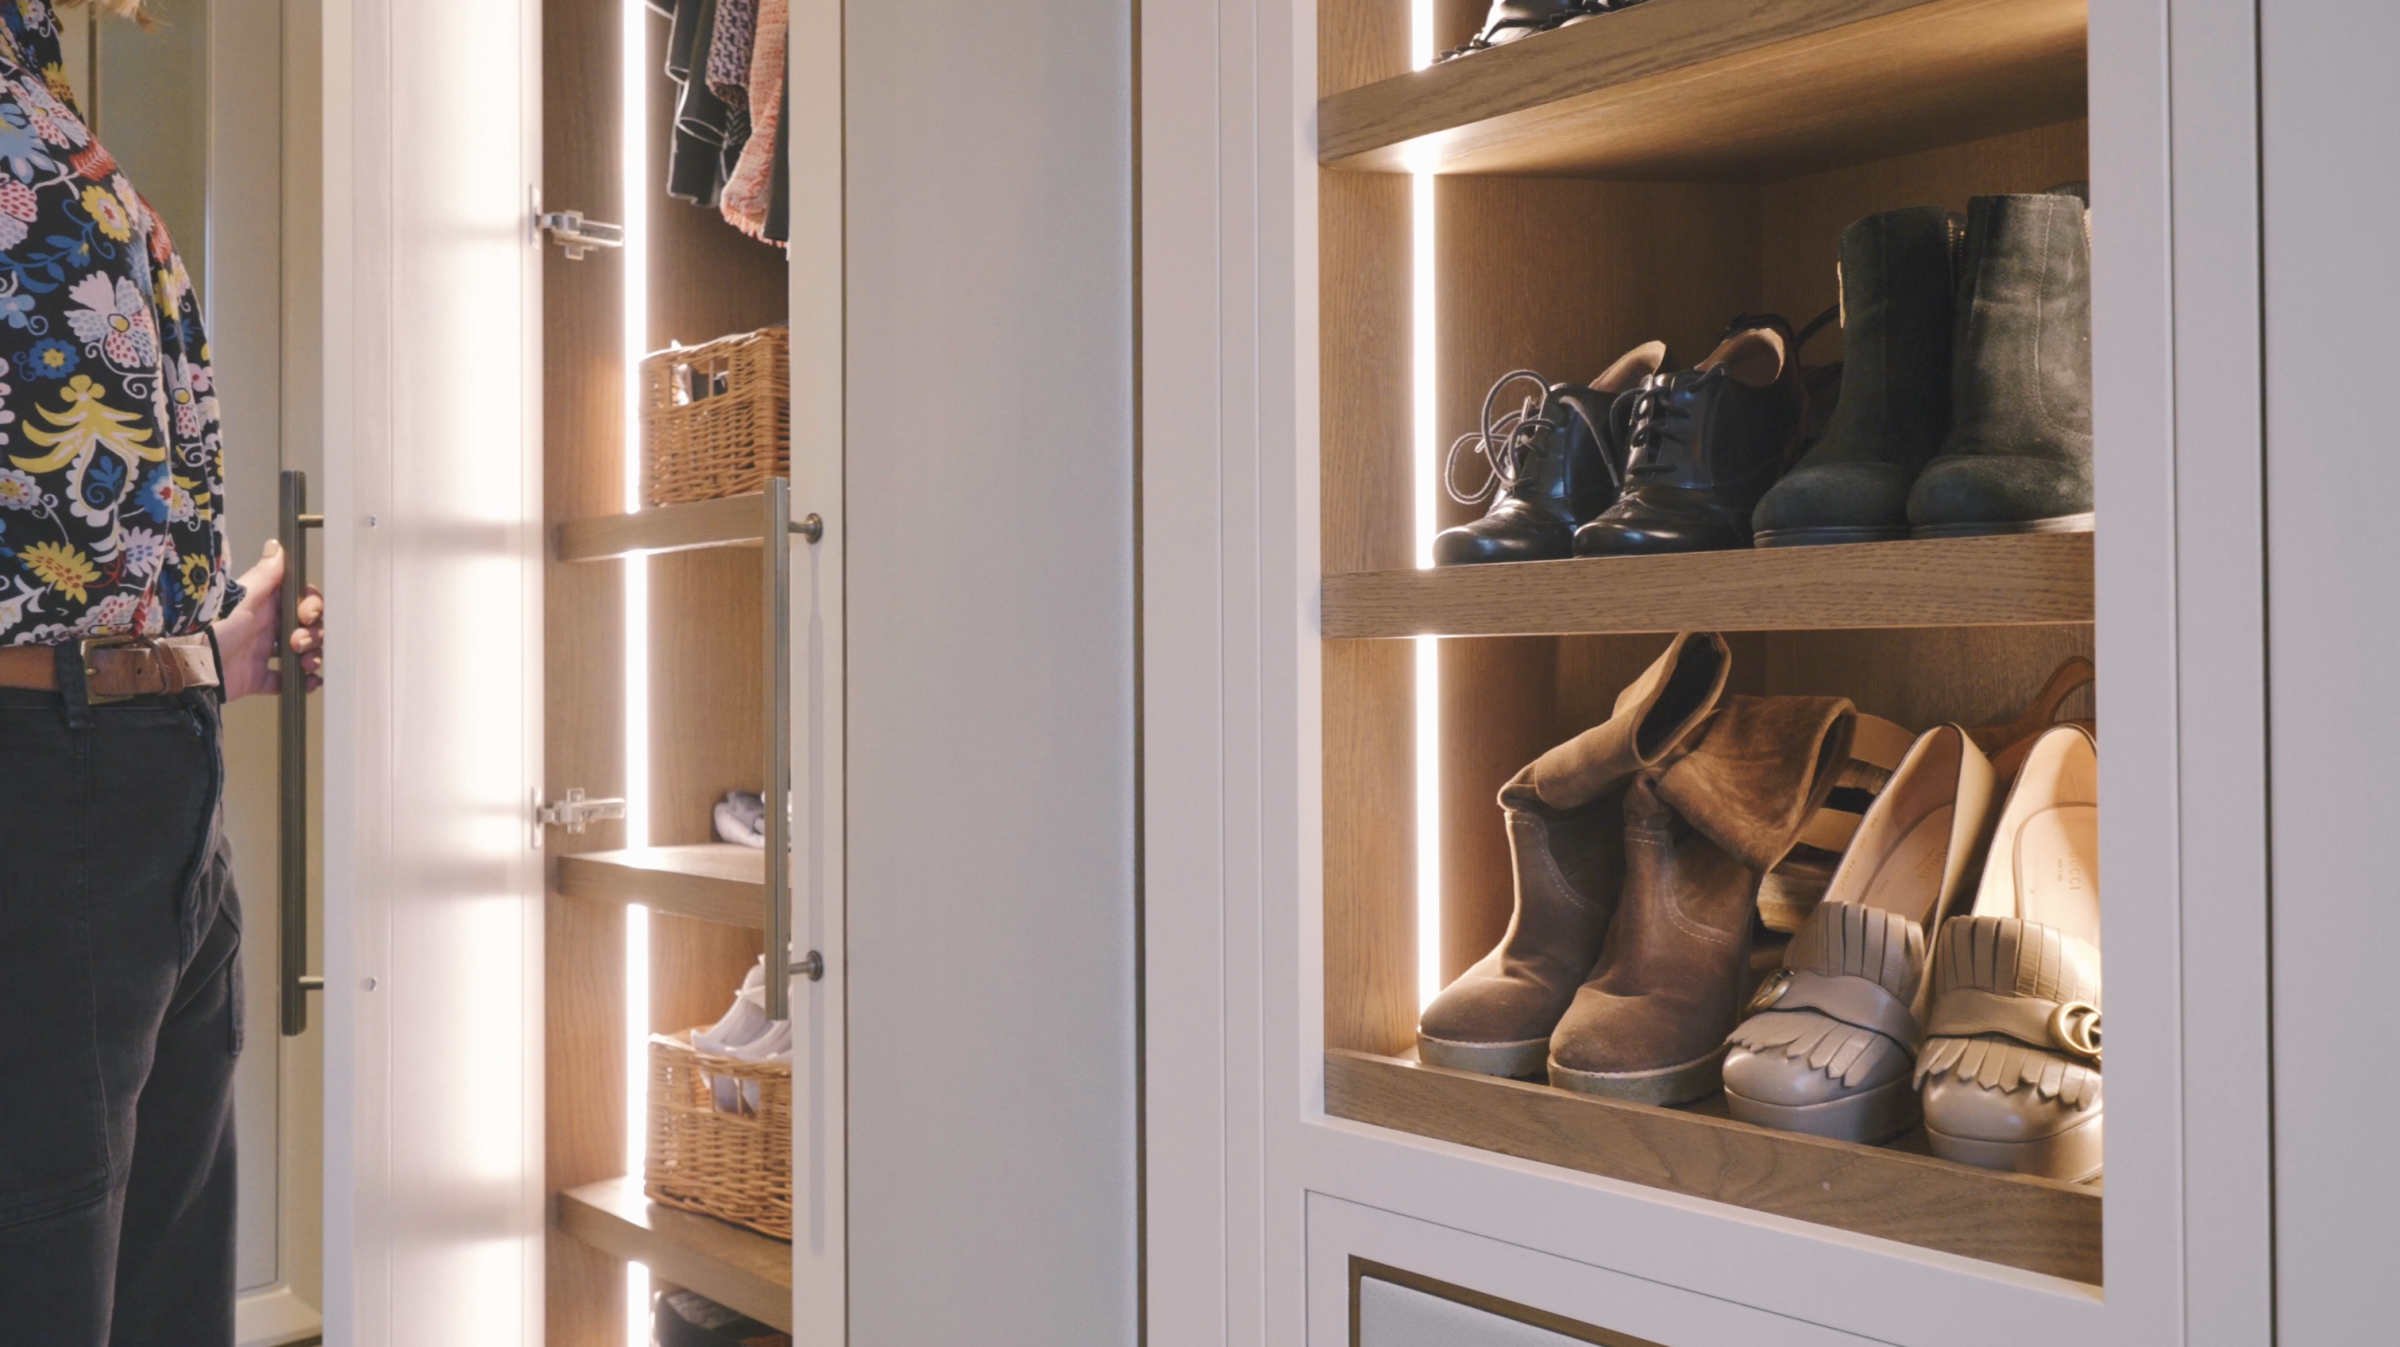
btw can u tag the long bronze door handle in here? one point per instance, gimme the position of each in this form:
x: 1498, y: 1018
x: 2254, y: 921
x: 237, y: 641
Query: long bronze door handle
x: 777, y: 583
x: 291, y: 750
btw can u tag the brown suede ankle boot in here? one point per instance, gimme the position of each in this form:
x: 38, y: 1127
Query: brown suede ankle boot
x: 1565, y: 817
x: 1650, y: 1025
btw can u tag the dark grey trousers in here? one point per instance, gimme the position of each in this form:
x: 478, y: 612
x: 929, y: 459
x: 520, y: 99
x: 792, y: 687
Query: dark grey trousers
x: 120, y: 1018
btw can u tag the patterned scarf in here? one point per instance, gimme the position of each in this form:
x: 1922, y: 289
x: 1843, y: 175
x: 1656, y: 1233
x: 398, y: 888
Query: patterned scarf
x: 729, y: 50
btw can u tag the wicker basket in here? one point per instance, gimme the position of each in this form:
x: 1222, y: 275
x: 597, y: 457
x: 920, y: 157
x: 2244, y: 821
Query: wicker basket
x: 734, y: 1166
x: 716, y: 418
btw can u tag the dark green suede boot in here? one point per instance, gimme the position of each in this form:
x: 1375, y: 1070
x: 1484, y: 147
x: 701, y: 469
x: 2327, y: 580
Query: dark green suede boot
x: 2019, y: 455
x: 1899, y: 288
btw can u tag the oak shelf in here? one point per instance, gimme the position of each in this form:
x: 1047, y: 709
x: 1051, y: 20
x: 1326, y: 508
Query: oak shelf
x: 2040, y: 1225
x: 1722, y: 89
x: 735, y: 521
x: 737, y: 1268
x: 714, y: 881
x: 2021, y: 579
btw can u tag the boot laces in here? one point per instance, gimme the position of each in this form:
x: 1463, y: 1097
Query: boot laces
x: 1656, y: 424
x: 1506, y: 443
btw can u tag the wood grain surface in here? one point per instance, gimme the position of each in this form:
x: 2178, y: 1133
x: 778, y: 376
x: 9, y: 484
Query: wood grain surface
x: 1365, y: 412
x: 1359, y: 42
x: 1722, y: 89
x: 735, y: 521
x: 2036, y: 1224
x: 737, y: 1268
x: 583, y: 474
x: 1365, y: 486
x: 712, y: 881
x: 1959, y: 582
x: 1370, y: 846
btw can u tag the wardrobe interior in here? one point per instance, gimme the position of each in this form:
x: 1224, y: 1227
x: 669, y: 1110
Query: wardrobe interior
x: 701, y: 664
x: 1562, y: 239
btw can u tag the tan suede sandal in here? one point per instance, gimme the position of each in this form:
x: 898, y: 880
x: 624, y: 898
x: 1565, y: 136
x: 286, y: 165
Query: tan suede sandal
x: 1831, y: 1037
x: 2010, y: 1070
x: 1801, y: 879
x: 2009, y: 742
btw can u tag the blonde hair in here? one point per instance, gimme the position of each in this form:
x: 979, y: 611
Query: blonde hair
x: 131, y: 9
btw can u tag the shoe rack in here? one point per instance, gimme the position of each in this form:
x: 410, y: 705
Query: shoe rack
x: 1647, y: 174
x: 705, y: 709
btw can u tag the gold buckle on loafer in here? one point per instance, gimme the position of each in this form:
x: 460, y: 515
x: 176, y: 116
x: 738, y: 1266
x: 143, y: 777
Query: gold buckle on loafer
x: 2075, y: 1029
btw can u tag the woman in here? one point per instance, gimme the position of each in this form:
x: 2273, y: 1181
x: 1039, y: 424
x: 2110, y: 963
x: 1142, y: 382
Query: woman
x: 121, y: 633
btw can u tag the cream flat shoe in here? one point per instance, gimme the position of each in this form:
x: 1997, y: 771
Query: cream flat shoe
x: 2010, y: 1070
x: 1831, y: 1037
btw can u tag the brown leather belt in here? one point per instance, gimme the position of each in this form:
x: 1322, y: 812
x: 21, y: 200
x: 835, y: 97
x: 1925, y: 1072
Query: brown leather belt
x: 118, y: 668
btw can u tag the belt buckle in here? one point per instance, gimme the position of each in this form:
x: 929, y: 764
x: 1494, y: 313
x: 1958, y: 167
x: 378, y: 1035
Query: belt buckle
x: 83, y: 652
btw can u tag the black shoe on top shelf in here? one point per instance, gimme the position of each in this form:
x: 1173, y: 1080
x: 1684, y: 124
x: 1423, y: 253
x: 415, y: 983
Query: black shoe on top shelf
x: 1704, y: 445
x: 2018, y: 458
x: 1554, y: 462
x: 1510, y: 20
x: 1899, y: 283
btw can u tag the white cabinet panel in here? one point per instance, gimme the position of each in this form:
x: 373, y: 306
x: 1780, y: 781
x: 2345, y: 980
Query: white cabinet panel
x: 989, y: 515
x: 2328, y: 112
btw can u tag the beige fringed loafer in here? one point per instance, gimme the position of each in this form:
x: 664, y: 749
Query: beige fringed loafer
x: 2010, y: 1068
x: 1831, y: 1037
x: 1650, y: 1026
x: 1566, y: 820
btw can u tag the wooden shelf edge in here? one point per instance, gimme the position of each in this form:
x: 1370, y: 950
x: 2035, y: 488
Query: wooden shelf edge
x: 1580, y: 99
x: 2013, y: 580
x: 736, y: 521
x: 2034, y: 1224
x: 738, y: 1268
x: 716, y: 881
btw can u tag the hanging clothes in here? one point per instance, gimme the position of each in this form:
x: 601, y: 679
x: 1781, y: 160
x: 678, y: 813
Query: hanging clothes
x: 749, y: 197
x: 727, y: 60
x: 729, y: 51
x: 696, y: 153
x: 779, y: 202
x: 726, y: 71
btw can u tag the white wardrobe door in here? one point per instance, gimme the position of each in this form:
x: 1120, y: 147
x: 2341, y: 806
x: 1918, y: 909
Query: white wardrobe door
x: 2331, y: 160
x: 990, y: 508
x: 434, y: 1194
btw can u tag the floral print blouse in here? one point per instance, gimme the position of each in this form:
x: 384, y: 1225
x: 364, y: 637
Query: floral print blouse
x: 112, y: 488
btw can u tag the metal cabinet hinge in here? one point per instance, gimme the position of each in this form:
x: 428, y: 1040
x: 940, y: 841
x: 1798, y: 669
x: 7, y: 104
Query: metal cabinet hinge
x: 571, y: 231
x: 574, y: 813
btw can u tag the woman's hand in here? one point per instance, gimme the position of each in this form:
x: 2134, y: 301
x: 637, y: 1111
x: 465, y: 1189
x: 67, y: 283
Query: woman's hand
x: 246, y: 636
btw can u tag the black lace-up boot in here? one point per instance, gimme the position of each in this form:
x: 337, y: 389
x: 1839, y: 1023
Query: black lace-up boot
x: 1898, y: 274
x: 1704, y: 445
x: 2019, y: 455
x: 1555, y: 462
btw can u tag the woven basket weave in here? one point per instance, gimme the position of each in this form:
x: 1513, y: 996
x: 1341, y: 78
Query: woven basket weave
x: 716, y: 418
x: 734, y: 1166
